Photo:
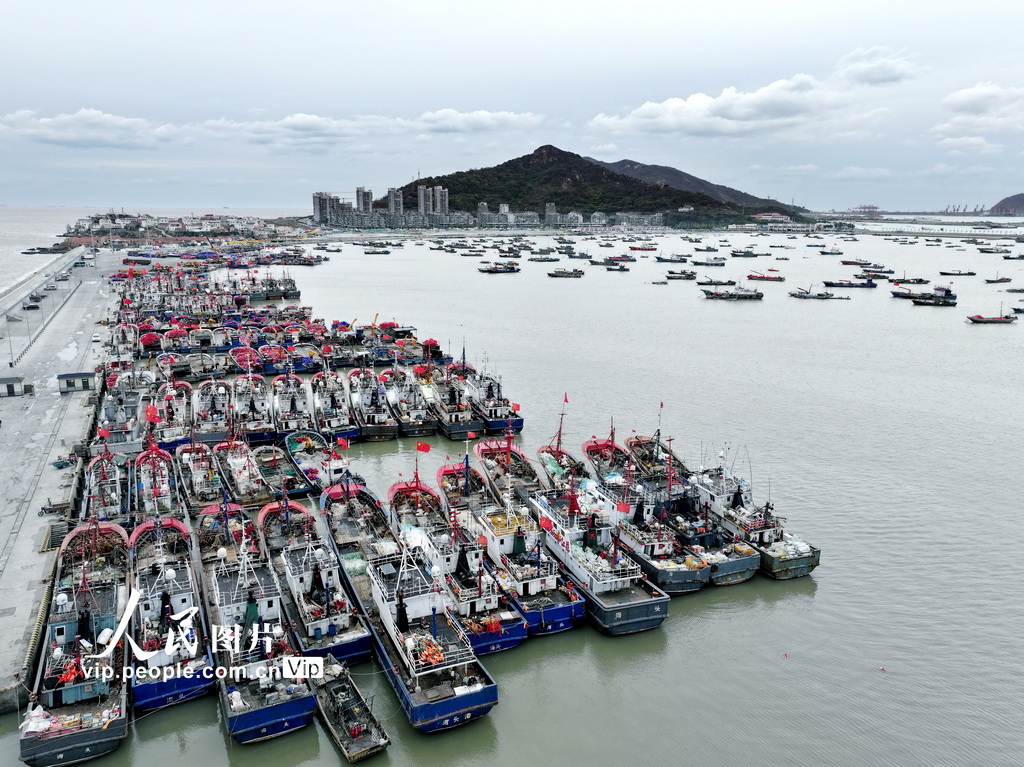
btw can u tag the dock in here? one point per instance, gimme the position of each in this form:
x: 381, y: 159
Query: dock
x: 37, y: 428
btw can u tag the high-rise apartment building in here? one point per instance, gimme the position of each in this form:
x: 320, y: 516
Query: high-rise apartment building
x: 424, y: 200
x: 364, y: 200
x: 440, y: 200
x: 395, y: 204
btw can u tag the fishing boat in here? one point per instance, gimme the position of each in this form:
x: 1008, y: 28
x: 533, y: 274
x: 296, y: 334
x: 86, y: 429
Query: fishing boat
x: 675, y: 258
x: 560, y: 468
x: 107, y: 490
x: 281, y: 473
x: 713, y: 261
x: 823, y: 295
x: 998, y: 280
x: 253, y: 416
x: 241, y: 472
x: 766, y: 277
x: 849, y: 284
x: 957, y: 273
x: 647, y: 248
x: 525, y: 573
x: 462, y: 486
x: 506, y: 467
x: 642, y: 536
x: 212, y: 409
x: 331, y: 409
x: 262, y: 699
x: 729, y: 561
x: 567, y: 273
x: 323, y: 620
x: 904, y: 280
x: 617, y: 268
x: 681, y: 274
x: 832, y: 250
x: 619, y: 599
x: 1002, y: 319
x: 156, y: 492
x: 198, y: 478
x: 707, y: 281
x: 736, y: 294
x: 169, y: 607
x: 610, y: 460
x: 174, y: 411
x: 347, y: 715
x: 728, y: 500
x: 407, y: 403
x: 370, y: 407
x: 79, y: 702
x: 414, y: 504
x: 487, y: 398
x: 706, y: 249
x: 500, y: 267
x: 450, y: 404
x: 293, y: 409
x: 426, y: 655
x: 855, y: 262
x: 321, y: 463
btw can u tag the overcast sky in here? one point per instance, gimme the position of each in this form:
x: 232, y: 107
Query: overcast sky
x: 909, y: 106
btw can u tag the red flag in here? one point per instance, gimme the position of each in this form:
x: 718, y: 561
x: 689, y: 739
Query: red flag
x: 103, y: 432
x: 622, y: 506
x: 482, y: 540
x: 151, y: 415
x: 565, y: 399
x: 662, y: 405
x: 514, y: 407
x: 896, y: 284
x: 546, y: 523
x: 342, y: 443
x: 471, y: 435
x: 423, y: 447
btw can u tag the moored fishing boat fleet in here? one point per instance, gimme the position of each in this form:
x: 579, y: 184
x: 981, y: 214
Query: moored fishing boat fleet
x: 228, y: 543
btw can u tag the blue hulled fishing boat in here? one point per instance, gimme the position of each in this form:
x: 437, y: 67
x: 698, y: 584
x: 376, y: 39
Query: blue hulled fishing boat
x: 261, y: 699
x: 164, y: 578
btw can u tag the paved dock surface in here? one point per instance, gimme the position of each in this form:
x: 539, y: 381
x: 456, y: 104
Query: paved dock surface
x: 35, y: 430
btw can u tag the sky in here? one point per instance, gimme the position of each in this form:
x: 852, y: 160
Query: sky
x: 908, y: 106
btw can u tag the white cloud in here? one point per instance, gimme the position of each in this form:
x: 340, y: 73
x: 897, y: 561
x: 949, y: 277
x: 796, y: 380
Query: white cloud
x: 874, y: 66
x: 601, y: 148
x: 856, y: 172
x: 92, y: 128
x: 88, y: 128
x: 772, y: 108
x: 965, y: 144
x: 984, y: 108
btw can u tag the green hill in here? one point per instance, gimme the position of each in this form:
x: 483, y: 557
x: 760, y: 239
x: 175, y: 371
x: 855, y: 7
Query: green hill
x: 568, y: 180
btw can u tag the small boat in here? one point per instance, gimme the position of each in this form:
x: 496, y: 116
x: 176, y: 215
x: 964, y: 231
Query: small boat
x: 707, y: 281
x: 346, y: 715
x: 998, y: 280
x: 500, y: 267
x: 567, y: 273
x: 1003, y: 319
x: 617, y: 268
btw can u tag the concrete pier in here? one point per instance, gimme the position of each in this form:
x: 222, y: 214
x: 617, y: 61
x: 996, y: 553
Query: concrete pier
x: 36, y: 429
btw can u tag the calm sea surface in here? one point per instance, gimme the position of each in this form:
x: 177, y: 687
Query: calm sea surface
x: 887, y: 433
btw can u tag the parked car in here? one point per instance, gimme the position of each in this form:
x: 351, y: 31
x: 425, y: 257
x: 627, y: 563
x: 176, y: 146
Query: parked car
x: 50, y: 287
x: 96, y: 338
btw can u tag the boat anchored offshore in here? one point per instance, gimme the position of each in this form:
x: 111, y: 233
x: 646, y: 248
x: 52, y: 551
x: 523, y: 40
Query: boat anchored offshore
x: 619, y: 600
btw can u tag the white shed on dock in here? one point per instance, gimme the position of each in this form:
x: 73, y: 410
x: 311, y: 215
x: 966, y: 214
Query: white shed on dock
x: 72, y: 382
x: 13, y: 386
